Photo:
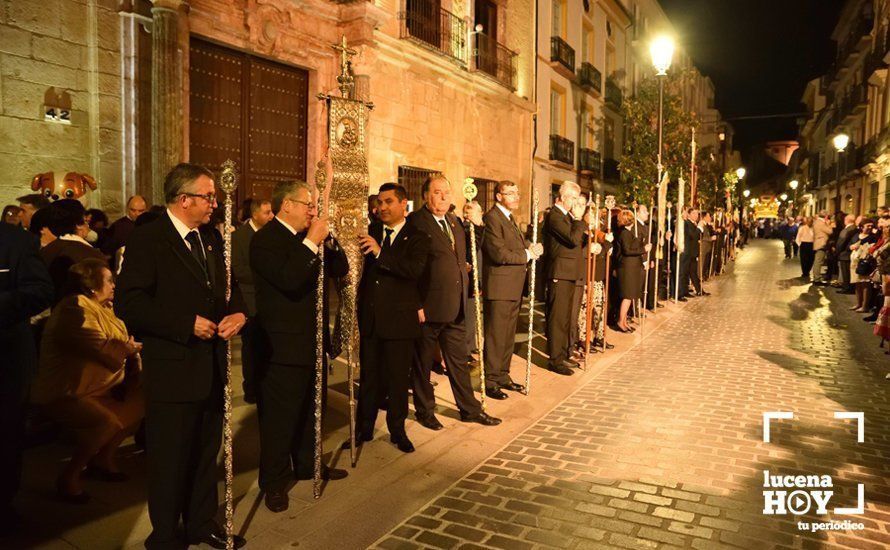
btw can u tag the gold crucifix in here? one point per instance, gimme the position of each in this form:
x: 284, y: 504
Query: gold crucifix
x: 344, y: 80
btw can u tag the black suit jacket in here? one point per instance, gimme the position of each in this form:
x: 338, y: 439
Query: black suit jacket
x: 285, y: 274
x: 564, y: 240
x: 844, y: 240
x: 389, y: 296
x: 504, y: 266
x: 25, y: 290
x: 160, y: 290
x: 707, y: 245
x: 691, y: 238
x: 443, y: 285
x: 241, y: 265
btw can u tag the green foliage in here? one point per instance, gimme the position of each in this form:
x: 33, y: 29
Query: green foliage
x: 638, y: 164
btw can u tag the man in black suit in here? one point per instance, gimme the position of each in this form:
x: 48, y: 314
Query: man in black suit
x: 118, y: 232
x: 389, y: 314
x: 171, y: 293
x: 564, y: 243
x: 25, y: 290
x: 443, y: 294
x: 285, y: 263
x: 260, y: 214
x: 506, y: 254
x: 707, y: 245
x: 689, y: 256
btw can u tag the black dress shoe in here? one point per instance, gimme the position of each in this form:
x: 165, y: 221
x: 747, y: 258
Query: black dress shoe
x: 276, y: 500
x: 683, y: 299
x: 513, y: 386
x: 430, y: 422
x: 599, y: 344
x: 327, y: 474
x: 572, y: 363
x: 496, y: 393
x: 480, y: 418
x: 402, y: 442
x: 560, y: 369
x: 659, y: 305
x: 704, y: 293
x: 218, y: 540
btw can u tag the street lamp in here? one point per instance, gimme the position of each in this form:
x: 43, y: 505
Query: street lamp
x: 740, y: 172
x: 793, y: 185
x: 840, y: 142
x: 661, y: 49
x: 746, y: 193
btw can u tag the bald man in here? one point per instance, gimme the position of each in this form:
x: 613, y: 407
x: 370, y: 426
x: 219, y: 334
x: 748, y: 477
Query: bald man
x: 120, y: 230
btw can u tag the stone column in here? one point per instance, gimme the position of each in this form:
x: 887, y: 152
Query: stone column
x: 166, y: 94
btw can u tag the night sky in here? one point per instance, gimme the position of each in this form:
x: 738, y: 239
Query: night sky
x: 760, y: 54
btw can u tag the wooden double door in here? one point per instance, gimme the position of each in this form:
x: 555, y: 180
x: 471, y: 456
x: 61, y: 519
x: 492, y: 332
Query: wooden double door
x: 248, y: 109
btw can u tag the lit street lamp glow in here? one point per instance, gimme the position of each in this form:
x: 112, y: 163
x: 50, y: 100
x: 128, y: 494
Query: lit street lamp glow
x: 793, y: 184
x: 740, y: 172
x: 662, y: 49
x: 840, y: 141
x: 746, y: 193
x: 784, y: 197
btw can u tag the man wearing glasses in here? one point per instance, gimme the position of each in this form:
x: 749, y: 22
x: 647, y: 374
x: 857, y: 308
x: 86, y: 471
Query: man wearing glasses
x: 506, y: 253
x: 285, y: 264
x: 172, y: 295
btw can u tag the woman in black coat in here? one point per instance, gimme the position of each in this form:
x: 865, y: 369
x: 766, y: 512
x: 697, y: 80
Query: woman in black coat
x: 630, y: 250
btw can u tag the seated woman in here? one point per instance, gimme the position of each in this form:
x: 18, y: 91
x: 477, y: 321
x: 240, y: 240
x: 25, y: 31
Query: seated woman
x: 88, y: 378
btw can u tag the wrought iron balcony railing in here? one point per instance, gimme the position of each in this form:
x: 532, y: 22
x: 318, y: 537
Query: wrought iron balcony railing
x: 496, y: 60
x: 589, y: 161
x: 613, y: 92
x: 590, y: 78
x: 562, y: 149
x: 425, y: 23
x: 562, y: 53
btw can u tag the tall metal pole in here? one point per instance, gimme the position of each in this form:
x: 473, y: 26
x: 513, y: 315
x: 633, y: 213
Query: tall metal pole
x: 660, y: 168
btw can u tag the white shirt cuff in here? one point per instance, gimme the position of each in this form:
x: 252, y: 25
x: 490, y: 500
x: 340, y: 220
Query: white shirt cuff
x: 528, y: 255
x: 311, y: 246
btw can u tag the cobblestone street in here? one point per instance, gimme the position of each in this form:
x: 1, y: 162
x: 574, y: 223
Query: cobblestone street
x: 664, y: 448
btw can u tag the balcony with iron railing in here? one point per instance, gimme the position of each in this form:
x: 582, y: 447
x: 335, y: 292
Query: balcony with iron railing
x: 614, y: 95
x: 562, y: 150
x: 857, y: 37
x: 877, y: 57
x: 494, y: 59
x: 590, y: 78
x: 562, y: 56
x: 430, y: 26
x: 589, y: 161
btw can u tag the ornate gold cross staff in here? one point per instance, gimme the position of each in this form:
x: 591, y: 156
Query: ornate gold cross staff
x: 344, y: 79
x: 531, y: 289
x: 470, y: 191
x: 228, y: 181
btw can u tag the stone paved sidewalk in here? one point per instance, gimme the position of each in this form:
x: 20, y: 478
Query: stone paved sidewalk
x: 664, y: 448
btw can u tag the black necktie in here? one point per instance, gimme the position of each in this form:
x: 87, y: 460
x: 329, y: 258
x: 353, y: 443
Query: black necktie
x: 197, y: 250
x: 447, y: 232
x: 387, y: 240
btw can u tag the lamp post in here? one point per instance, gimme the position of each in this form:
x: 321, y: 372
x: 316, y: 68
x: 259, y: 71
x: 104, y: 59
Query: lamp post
x: 662, y: 50
x: 840, y: 142
x: 793, y: 185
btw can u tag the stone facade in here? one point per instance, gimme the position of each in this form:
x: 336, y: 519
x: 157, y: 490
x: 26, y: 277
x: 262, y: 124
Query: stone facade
x: 431, y: 110
x: 852, y: 98
x: 74, y: 47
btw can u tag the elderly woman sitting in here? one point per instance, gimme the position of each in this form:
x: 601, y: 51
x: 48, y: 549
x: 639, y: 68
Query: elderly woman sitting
x: 88, y: 378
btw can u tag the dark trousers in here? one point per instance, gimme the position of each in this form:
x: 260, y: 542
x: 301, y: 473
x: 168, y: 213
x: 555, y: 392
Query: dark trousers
x: 794, y: 248
x: 248, y: 360
x: 12, y: 423
x: 807, y: 256
x: 706, y: 265
x: 560, y: 297
x: 685, y: 274
x: 452, y: 340
x: 385, y: 374
x: 843, y: 267
x: 787, y: 244
x: 287, y: 423
x: 575, y: 329
x: 501, y: 317
x: 183, y: 441
x: 694, y: 275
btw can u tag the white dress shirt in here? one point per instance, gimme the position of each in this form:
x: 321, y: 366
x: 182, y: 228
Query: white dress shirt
x: 309, y: 244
